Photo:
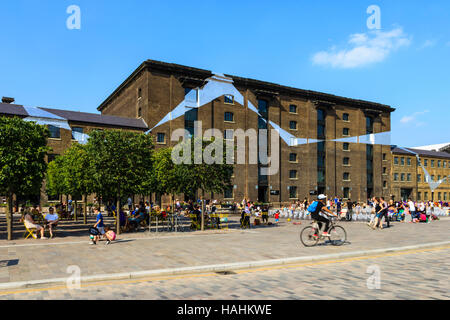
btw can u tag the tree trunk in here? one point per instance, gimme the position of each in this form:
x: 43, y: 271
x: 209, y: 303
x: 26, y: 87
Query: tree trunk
x: 75, y: 211
x: 85, y: 210
x: 118, y: 215
x: 203, y: 212
x: 9, y: 216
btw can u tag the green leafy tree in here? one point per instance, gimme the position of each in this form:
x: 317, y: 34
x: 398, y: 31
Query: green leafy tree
x: 214, y: 177
x: 121, y: 162
x: 77, y: 174
x: 55, y: 180
x: 23, y: 147
x: 165, y: 178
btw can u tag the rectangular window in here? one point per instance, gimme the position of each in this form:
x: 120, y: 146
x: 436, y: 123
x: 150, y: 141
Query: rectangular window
x: 191, y: 95
x: 425, y: 196
x: 228, y: 99
x: 292, y: 192
x: 396, y: 160
x: 228, y: 193
x: 432, y: 178
x: 55, y: 132
x: 384, y: 170
x: 445, y: 164
x: 402, y: 161
x: 432, y: 163
x: 346, y: 146
x: 419, y: 178
x: 229, y: 134
x: 346, y: 193
x: 439, y: 177
x: 321, y: 176
x: 293, y: 125
x: 345, y: 117
x: 293, y: 157
x: 369, y: 125
x: 346, y: 176
x: 408, y: 177
x: 161, y: 137
x: 51, y: 157
x: 190, y: 117
x: 76, y: 129
x: 263, y: 107
x: 439, y: 163
x: 445, y: 196
x: 384, y: 157
x: 439, y: 196
x: 402, y: 177
x: 229, y: 117
x: 384, y: 184
x: 425, y: 162
x: 395, y: 176
x: 346, y: 131
x: 293, y: 174
x: 293, y: 108
x: 408, y: 161
x: 346, y: 161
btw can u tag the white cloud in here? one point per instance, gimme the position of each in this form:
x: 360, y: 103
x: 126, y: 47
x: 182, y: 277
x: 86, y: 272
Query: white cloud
x: 412, y: 117
x: 363, y: 49
x: 428, y: 44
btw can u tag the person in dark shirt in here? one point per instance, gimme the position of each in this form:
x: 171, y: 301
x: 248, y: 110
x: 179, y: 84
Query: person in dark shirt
x: 349, y: 210
x: 321, y: 215
x: 197, y: 213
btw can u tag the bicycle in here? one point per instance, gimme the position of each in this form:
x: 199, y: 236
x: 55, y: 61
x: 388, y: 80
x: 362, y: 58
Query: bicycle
x: 311, y: 235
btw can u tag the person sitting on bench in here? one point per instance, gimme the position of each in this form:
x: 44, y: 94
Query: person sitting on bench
x: 52, y: 219
x: 30, y: 224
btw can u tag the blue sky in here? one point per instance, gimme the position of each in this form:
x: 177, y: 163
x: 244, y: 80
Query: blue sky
x: 316, y: 45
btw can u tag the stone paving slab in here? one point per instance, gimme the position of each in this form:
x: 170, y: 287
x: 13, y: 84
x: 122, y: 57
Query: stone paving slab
x: 420, y: 276
x: 47, y: 259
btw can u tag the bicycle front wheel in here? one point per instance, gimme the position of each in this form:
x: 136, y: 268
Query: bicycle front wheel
x: 338, y: 236
x: 309, y: 236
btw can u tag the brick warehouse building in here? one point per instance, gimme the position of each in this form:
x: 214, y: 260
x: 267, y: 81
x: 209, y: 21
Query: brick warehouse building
x: 347, y: 170
x: 408, y: 178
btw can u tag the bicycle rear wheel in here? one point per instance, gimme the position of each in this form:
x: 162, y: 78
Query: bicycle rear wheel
x: 338, y: 235
x: 309, y: 236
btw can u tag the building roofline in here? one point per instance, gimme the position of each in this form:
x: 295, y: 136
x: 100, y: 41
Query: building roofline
x: 80, y: 117
x: 424, y: 153
x: 240, y: 81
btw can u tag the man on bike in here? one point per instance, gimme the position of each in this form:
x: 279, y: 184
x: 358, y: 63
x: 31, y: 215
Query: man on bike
x: 322, y: 214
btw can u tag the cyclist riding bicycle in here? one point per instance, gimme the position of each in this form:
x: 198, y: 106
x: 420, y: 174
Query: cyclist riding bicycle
x: 321, y: 214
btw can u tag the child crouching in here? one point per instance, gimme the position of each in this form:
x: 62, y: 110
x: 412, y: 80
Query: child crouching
x: 110, y: 235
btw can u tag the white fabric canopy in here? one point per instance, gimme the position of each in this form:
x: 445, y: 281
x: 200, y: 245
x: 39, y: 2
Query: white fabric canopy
x: 383, y: 138
x: 52, y: 122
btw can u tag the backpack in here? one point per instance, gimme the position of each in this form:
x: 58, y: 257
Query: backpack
x: 313, y: 207
x: 94, y: 231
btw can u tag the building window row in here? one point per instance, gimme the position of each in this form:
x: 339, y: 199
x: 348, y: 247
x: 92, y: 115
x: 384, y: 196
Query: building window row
x: 403, y: 177
x: 402, y: 161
